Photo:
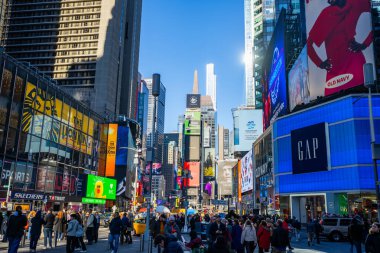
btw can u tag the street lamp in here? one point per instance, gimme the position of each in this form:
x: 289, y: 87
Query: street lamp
x: 369, y: 82
x: 155, y: 92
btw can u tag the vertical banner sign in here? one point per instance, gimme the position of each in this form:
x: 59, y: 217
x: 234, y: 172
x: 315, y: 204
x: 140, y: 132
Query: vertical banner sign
x: 224, y: 176
x: 247, y: 173
x: 340, y: 41
x: 239, y: 181
x: 111, y: 150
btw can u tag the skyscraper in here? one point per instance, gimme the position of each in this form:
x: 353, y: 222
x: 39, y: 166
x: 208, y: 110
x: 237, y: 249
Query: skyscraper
x: 160, y: 117
x: 142, y: 115
x: 169, y: 148
x: 211, y: 83
x: 248, y: 57
x: 209, y: 118
x: 90, y: 47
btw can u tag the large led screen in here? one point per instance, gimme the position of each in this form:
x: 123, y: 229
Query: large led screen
x: 274, y: 77
x: 209, y: 162
x: 339, y: 43
x: 100, y: 187
x: 224, y: 176
x: 192, y: 123
x: 194, y: 170
x: 246, y: 173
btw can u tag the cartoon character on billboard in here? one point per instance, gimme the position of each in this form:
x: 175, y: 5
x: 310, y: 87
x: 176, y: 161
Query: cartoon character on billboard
x: 99, y: 188
x: 336, y: 27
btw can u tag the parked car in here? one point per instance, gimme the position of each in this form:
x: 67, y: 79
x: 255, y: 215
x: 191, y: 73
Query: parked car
x: 336, y: 229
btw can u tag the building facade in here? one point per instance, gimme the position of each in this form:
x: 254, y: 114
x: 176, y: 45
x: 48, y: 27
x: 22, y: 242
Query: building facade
x: 142, y: 115
x: 83, y: 45
x: 211, y: 83
x: 49, y: 141
x: 169, y: 156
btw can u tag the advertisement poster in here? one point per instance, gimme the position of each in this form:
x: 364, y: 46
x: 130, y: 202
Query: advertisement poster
x: 192, y: 123
x: 274, y: 77
x: 157, y: 169
x: 298, y: 84
x: 100, y: 187
x: 45, y: 178
x: 122, y: 145
x: 339, y: 42
x: 224, y: 176
x: 111, y: 150
x: 246, y: 172
x: 194, y: 171
x: 208, y: 163
x: 23, y: 174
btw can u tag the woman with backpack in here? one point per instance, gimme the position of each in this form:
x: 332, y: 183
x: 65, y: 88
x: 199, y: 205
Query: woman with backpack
x: 57, y: 227
x: 79, y: 235
x: 35, y: 230
x: 248, y: 237
x: 72, y: 229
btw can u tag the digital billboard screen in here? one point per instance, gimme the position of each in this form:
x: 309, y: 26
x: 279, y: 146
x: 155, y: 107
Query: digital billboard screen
x: 157, y: 169
x: 192, y: 123
x: 122, y: 145
x: 194, y: 171
x: 339, y: 42
x: 209, y: 162
x: 274, y: 76
x: 100, y: 187
x: 224, y: 176
x: 247, y: 172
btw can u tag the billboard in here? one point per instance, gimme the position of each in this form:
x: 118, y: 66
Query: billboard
x: 111, y: 149
x: 274, y: 76
x: 63, y: 124
x: 224, y: 176
x: 194, y: 171
x: 192, y: 123
x: 339, y: 42
x: 248, y: 126
x: 206, y: 135
x: 157, y: 169
x: 310, y: 149
x: 100, y: 187
x: 298, y: 84
x: 193, y: 101
x: 209, y: 162
x: 122, y: 145
x: 246, y: 172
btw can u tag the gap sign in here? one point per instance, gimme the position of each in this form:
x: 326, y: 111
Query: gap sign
x: 310, y: 149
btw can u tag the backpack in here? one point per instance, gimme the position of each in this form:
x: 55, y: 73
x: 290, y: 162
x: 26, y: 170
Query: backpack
x: 95, y: 222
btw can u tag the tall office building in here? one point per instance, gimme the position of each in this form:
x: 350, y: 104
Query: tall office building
x: 248, y: 57
x: 209, y: 118
x: 142, y: 115
x: 160, y: 117
x: 264, y: 16
x: 211, y: 83
x: 224, y: 143
x: 90, y: 47
x: 169, y: 149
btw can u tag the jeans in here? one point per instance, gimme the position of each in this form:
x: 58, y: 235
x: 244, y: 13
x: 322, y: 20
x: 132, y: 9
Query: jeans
x: 250, y: 246
x: 33, y: 241
x: 70, y: 246
x: 114, y: 242
x: 357, y: 245
x: 90, y: 234
x: 57, y: 235
x: 14, y: 243
x: 81, y: 243
x: 48, y: 234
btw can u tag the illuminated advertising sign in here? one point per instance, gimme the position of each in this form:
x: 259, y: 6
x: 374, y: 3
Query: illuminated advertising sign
x: 310, y: 149
x: 339, y: 42
x: 100, y: 187
x: 93, y: 201
x: 299, y: 85
x: 194, y: 171
x: 192, y: 123
x: 63, y: 124
x: 274, y: 76
x: 248, y: 126
x: 208, y: 163
x: 224, y: 176
x: 122, y: 145
x: 157, y: 169
x: 246, y: 172
x: 111, y: 150
x: 193, y: 101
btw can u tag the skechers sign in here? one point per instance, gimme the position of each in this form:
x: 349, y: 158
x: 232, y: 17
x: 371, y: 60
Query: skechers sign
x: 310, y: 149
x: 27, y: 196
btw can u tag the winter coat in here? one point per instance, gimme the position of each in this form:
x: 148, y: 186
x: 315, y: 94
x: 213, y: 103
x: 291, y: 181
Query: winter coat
x: 236, y: 237
x: 115, y: 226
x: 80, y: 231
x: 49, y: 220
x: 172, y: 246
x: 279, y: 239
x: 58, y: 225
x: 372, y: 243
x: 264, y: 237
x: 16, y: 224
x: 169, y: 228
x: 355, y: 232
x: 72, y: 228
x: 248, y: 235
x: 214, y: 228
x: 37, y: 223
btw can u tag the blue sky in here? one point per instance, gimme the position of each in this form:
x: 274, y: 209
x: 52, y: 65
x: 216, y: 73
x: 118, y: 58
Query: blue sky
x: 179, y: 36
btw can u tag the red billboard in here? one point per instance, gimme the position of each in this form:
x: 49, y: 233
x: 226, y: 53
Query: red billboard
x: 194, y: 170
x: 339, y: 42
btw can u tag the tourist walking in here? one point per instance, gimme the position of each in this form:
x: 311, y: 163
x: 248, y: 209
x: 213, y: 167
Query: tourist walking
x: 263, y: 237
x: 279, y: 238
x: 310, y: 229
x: 236, y: 244
x: 90, y: 227
x: 35, y: 230
x: 72, y: 229
x: 248, y: 237
x: 79, y: 235
x: 58, y: 227
x: 372, y: 243
x: 15, y: 229
x: 355, y: 235
x: 48, y: 229
x: 115, y: 230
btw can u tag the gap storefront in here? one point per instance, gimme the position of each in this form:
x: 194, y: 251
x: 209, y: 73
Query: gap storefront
x: 322, y: 159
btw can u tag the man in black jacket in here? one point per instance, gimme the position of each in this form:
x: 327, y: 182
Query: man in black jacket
x: 15, y: 229
x: 48, y: 228
x: 217, y: 228
x: 115, y: 230
x: 355, y: 235
x: 279, y: 238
